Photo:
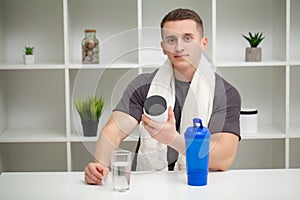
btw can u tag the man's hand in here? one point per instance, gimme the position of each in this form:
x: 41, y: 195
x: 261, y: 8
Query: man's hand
x: 164, y: 133
x: 95, y: 173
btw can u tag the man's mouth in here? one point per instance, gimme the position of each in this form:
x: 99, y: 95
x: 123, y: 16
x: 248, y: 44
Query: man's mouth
x: 180, y: 55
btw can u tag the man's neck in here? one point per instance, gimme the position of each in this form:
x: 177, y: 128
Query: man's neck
x: 186, y: 74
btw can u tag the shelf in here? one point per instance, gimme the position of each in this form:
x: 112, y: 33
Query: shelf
x: 78, y: 137
x: 230, y: 25
x: 32, y: 23
x: 240, y: 63
x: 263, y: 88
x: 295, y: 62
x: 33, y: 135
x: 116, y: 32
x: 260, y: 154
x: 8, y: 66
x: 265, y: 132
x: 103, y: 66
x: 32, y: 99
x: 33, y: 156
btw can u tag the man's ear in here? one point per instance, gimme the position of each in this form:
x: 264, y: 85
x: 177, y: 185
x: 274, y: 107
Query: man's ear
x: 162, y: 46
x: 204, y: 42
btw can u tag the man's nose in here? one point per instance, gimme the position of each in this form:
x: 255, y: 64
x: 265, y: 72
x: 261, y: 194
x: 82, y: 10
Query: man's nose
x: 179, y: 46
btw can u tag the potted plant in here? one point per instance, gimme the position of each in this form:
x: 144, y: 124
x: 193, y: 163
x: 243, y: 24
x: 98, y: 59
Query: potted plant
x: 90, y: 110
x: 253, y: 53
x: 28, y: 57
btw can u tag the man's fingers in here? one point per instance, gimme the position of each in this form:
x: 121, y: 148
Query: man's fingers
x: 92, y: 174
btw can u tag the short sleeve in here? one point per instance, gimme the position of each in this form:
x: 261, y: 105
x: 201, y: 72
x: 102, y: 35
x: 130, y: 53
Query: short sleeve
x: 133, y: 97
x: 226, y: 108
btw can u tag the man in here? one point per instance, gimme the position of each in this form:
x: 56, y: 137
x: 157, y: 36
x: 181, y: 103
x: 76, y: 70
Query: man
x: 195, y: 92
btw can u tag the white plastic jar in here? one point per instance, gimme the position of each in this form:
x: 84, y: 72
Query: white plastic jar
x: 248, y: 120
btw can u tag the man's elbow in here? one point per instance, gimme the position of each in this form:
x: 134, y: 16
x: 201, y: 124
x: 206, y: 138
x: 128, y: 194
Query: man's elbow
x: 222, y: 165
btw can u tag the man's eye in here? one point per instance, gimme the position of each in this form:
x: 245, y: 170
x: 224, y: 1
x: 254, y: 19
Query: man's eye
x: 187, y: 38
x: 171, y: 41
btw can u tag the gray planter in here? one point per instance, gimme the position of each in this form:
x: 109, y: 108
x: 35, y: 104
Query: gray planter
x: 253, y: 54
x: 90, y: 128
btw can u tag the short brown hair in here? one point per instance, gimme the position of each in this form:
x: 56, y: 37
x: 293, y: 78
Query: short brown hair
x: 182, y: 14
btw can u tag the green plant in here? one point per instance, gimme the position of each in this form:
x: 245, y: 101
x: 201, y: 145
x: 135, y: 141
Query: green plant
x: 28, y: 50
x: 90, y: 108
x: 254, y: 40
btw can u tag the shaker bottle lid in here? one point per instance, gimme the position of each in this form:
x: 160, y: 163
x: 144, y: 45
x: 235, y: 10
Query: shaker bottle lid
x: 197, y: 130
x: 155, y: 105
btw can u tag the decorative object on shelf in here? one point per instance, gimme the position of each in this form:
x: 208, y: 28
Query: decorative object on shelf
x: 90, y: 47
x: 248, y: 120
x: 28, y: 57
x: 253, y: 53
x: 90, y: 110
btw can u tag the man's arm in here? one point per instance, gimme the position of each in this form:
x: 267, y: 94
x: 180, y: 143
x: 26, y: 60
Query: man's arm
x: 223, y: 148
x: 118, y: 127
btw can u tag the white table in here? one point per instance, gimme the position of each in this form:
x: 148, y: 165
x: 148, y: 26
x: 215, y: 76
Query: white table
x: 233, y: 184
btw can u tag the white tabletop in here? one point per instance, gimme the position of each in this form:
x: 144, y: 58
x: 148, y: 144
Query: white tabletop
x: 232, y: 184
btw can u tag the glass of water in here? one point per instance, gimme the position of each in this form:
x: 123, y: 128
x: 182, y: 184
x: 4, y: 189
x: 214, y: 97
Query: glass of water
x: 121, y: 169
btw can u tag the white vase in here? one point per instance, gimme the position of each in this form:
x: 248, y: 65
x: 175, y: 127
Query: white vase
x: 28, y: 59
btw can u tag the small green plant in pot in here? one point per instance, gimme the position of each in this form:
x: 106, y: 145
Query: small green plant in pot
x: 90, y: 110
x: 253, y: 53
x: 28, y: 57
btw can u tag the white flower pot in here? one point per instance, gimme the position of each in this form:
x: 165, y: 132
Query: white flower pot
x: 28, y: 59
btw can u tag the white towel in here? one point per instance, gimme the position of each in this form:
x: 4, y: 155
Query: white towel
x: 152, y: 155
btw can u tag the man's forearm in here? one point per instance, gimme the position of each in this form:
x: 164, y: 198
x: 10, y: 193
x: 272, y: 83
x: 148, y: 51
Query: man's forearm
x: 223, y: 147
x: 178, y: 144
x: 105, y: 145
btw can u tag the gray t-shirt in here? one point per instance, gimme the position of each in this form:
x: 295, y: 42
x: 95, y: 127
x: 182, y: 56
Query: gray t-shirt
x: 226, y: 105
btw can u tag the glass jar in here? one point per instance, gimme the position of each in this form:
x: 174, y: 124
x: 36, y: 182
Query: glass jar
x: 90, y: 47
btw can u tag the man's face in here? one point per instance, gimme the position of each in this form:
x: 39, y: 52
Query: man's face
x: 182, y: 43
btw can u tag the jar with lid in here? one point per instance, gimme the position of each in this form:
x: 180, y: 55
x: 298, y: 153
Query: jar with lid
x: 90, y: 47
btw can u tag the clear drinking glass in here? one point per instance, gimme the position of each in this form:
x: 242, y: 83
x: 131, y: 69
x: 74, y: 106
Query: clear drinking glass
x: 121, y: 170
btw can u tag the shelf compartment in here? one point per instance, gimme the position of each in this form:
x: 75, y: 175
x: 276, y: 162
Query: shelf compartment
x: 295, y: 32
x: 33, y: 135
x: 104, y: 66
x: 265, y: 132
x: 260, y: 154
x: 150, y: 49
x: 117, y: 34
x: 294, y: 100
x: 108, y: 83
x: 269, y: 17
x: 262, y: 88
x: 294, y: 153
x: 16, y: 157
x: 83, y: 152
x: 8, y: 66
x: 237, y: 62
x: 32, y: 100
x: 32, y: 23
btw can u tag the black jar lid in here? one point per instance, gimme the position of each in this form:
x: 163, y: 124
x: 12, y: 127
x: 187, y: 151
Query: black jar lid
x: 248, y: 111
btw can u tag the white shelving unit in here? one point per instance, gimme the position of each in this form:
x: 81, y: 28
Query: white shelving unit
x: 39, y: 127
